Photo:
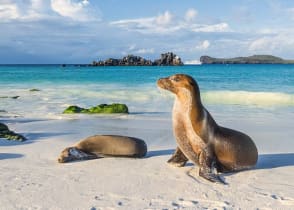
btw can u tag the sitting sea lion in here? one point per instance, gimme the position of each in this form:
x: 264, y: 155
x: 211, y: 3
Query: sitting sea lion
x: 99, y: 146
x: 199, y: 138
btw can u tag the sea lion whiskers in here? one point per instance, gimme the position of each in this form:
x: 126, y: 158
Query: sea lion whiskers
x: 73, y: 153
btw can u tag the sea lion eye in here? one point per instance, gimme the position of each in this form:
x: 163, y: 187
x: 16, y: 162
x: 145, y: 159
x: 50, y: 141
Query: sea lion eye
x: 175, y: 79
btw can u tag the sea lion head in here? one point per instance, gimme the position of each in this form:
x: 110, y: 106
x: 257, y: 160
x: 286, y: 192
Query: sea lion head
x: 72, y: 153
x: 177, y: 83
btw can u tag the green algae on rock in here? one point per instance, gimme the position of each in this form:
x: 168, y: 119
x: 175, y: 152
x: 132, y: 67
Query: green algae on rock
x: 99, y: 109
x: 34, y: 90
x: 10, y: 135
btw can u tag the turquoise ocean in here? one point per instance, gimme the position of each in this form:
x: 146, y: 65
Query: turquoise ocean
x: 233, y: 88
x: 255, y: 99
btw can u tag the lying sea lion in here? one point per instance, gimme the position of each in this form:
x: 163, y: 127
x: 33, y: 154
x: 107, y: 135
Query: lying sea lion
x: 199, y: 138
x: 99, y: 146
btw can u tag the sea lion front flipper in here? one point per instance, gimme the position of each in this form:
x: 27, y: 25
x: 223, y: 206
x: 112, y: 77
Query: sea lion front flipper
x: 178, y: 159
x: 206, y: 163
x: 81, y: 155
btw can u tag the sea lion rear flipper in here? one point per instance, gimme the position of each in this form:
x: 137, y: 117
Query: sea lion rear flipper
x: 91, y: 156
x: 178, y: 159
x: 208, y: 175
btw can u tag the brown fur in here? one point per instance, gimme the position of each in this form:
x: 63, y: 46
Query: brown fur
x: 199, y: 137
x: 104, y: 145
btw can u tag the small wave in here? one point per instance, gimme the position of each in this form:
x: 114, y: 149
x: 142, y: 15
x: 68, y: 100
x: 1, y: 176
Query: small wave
x: 248, y: 98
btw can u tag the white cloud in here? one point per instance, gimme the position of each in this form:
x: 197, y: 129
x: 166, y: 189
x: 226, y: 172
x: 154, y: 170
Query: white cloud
x: 204, y: 45
x: 157, y: 24
x: 144, y: 51
x: 260, y: 44
x: 133, y: 49
x: 281, y: 42
x: 76, y: 10
x: 191, y: 15
x: 164, y: 19
x: 220, y: 27
x: 32, y: 10
x: 166, y: 23
x: 9, y: 11
x: 188, y: 47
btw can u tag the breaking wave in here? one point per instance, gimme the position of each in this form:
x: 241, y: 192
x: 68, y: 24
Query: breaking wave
x: 248, y: 98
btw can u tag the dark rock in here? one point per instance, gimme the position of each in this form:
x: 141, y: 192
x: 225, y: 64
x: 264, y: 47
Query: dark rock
x: 12, y: 97
x: 99, y: 109
x: 10, y: 135
x: 3, y: 128
x: 255, y: 59
x: 34, y: 90
x: 167, y: 59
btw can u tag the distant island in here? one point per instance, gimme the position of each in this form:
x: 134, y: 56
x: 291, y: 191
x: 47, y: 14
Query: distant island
x: 166, y: 59
x: 255, y: 59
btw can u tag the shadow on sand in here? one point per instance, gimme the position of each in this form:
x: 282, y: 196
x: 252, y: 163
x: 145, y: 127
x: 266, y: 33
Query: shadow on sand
x: 4, y: 156
x: 265, y: 161
x: 155, y: 153
x: 31, y: 138
x: 269, y: 161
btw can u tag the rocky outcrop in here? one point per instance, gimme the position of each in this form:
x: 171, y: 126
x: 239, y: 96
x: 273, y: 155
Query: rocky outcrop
x: 99, y: 109
x: 255, y: 59
x: 129, y: 60
x: 166, y: 59
x: 34, y: 90
x: 12, y: 97
x: 10, y: 135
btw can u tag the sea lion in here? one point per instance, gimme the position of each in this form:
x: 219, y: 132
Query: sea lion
x: 199, y: 138
x: 99, y: 146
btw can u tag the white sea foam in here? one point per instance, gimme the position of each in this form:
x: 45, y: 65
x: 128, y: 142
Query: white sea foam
x: 51, y: 101
x: 262, y: 99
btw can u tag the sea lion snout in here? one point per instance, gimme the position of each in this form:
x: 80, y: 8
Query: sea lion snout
x: 161, y: 82
x: 68, y: 154
x: 165, y: 83
x: 64, y: 156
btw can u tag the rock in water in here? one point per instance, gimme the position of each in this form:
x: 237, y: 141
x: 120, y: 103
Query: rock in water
x: 166, y: 59
x: 99, y: 109
x: 34, y: 90
x: 10, y: 135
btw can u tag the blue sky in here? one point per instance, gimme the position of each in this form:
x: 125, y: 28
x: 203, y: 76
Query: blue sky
x: 80, y: 31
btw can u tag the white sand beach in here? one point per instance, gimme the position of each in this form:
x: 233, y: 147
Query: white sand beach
x: 31, y: 177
